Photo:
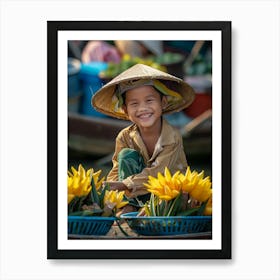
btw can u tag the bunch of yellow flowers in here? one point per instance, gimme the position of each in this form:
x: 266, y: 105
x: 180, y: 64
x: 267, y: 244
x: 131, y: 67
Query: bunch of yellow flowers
x: 168, y: 193
x: 87, y: 196
x: 79, y: 182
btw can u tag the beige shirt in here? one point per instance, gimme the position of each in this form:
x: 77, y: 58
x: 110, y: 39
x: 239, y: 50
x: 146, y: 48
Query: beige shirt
x: 168, y: 152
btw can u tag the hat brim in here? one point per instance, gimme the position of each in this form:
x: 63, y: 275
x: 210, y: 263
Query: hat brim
x: 102, y: 99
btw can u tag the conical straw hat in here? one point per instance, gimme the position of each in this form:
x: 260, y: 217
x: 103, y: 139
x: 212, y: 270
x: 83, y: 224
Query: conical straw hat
x: 104, y: 100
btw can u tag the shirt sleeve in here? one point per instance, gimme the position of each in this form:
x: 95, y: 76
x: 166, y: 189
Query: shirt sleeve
x: 171, y: 156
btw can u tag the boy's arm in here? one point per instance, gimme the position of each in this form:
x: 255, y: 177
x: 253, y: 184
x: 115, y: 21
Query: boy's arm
x: 172, y: 156
x: 117, y: 186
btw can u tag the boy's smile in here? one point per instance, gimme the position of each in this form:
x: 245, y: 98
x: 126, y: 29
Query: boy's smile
x: 144, y: 106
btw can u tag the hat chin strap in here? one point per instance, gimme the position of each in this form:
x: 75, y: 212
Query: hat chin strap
x: 165, y: 90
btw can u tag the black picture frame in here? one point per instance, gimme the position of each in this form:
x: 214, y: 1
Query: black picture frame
x: 53, y: 250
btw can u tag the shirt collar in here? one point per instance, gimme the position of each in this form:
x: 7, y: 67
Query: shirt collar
x: 166, y: 137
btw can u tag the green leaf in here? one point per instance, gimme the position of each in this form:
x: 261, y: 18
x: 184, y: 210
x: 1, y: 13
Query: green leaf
x: 81, y: 202
x: 175, y: 205
x: 133, y: 202
x: 77, y: 213
x: 92, y: 212
x: 147, y: 209
x: 72, y: 204
x: 101, y: 196
x: 202, y: 208
x: 76, y: 204
x: 165, y: 210
x: 140, y: 204
x: 161, y: 208
x: 94, y: 194
x: 188, y: 212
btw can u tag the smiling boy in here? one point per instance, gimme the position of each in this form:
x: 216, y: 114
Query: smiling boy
x: 142, y: 95
x: 144, y: 108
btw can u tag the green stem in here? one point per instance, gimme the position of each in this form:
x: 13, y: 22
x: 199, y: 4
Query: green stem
x: 166, y: 208
x: 153, y: 212
x: 158, y: 207
x: 121, y: 229
x: 173, y: 205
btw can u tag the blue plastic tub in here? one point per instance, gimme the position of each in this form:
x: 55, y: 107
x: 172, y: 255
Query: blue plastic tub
x: 175, y: 225
x: 89, y: 225
x: 89, y: 76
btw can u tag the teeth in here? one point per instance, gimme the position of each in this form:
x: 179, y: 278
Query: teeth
x: 145, y: 116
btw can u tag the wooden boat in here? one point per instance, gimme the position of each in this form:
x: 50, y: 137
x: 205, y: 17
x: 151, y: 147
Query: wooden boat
x: 93, y: 135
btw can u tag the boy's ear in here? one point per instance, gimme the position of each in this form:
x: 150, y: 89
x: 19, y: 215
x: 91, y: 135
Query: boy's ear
x: 124, y: 108
x: 164, y: 102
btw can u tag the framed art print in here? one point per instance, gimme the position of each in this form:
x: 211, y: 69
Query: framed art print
x: 84, y: 218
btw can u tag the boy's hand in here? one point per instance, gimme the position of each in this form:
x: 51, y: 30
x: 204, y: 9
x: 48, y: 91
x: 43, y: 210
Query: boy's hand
x: 115, y: 185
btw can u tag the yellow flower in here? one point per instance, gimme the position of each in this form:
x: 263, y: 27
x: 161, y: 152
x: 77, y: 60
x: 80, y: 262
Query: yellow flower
x: 70, y: 197
x: 208, y: 208
x: 79, y: 182
x: 97, y: 183
x: 187, y: 180
x: 114, y: 199
x: 198, y: 187
x: 202, y: 191
x: 165, y: 187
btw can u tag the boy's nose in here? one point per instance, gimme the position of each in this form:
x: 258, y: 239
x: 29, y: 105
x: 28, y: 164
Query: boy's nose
x: 142, y: 107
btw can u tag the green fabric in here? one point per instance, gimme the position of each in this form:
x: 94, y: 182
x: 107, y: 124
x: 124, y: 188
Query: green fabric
x: 130, y: 163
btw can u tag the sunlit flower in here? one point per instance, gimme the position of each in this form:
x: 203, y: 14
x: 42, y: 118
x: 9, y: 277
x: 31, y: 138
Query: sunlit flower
x: 88, y: 197
x: 97, y: 182
x: 208, y: 208
x: 114, y: 199
x: 165, y: 187
x: 187, y: 180
x: 70, y: 197
x: 170, y: 194
x: 196, y: 185
x: 79, y: 182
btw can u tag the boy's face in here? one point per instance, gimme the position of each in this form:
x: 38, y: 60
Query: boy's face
x: 144, y: 105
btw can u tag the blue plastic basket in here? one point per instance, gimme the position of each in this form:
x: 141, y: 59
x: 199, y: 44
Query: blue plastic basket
x: 176, y: 225
x: 89, y: 225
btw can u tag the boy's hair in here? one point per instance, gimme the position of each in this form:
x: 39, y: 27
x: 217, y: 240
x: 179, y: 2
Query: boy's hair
x: 124, y: 95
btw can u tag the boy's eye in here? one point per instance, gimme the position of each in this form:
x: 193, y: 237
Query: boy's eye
x: 150, y: 100
x: 132, y: 104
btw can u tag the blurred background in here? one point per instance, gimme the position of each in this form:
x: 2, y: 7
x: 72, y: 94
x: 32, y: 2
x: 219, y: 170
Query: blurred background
x: 92, y: 64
